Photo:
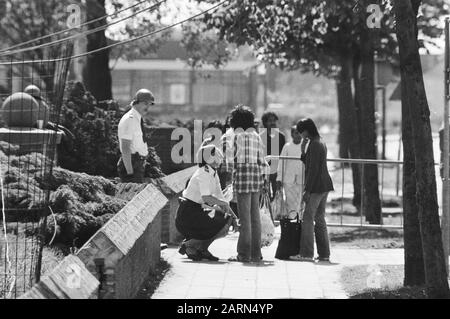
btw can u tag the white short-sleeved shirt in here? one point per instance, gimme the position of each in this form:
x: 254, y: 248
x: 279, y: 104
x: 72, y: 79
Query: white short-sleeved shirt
x: 130, y: 129
x: 204, y: 182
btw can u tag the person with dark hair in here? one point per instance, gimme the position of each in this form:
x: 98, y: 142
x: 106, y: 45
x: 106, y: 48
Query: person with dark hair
x: 290, y: 175
x: 317, y: 185
x: 204, y: 215
x: 225, y: 173
x: 213, y: 133
x: 274, y: 141
x: 245, y: 157
x: 132, y: 143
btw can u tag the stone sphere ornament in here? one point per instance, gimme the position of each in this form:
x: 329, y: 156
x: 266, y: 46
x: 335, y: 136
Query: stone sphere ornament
x: 20, y: 110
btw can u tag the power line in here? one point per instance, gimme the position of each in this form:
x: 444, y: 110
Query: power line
x: 121, y: 42
x: 85, y: 33
x: 73, y: 28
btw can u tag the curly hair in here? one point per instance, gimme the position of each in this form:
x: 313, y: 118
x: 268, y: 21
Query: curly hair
x: 265, y: 117
x: 242, y: 117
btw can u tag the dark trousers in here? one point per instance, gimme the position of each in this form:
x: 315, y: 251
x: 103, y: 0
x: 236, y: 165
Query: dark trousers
x: 314, y: 225
x: 138, y: 163
x: 273, y: 186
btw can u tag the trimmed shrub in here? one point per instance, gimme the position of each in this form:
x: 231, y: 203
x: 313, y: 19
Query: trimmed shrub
x: 81, y: 203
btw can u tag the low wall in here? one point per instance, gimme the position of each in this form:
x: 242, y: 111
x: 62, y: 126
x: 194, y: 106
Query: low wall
x: 69, y: 280
x: 115, y: 262
x: 171, y: 186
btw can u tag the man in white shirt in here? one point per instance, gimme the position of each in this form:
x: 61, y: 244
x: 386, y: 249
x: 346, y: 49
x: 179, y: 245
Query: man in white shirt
x: 132, y: 144
x: 274, y: 141
x: 290, y: 175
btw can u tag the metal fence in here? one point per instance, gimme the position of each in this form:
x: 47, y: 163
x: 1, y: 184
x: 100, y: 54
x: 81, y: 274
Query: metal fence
x: 342, y: 211
x: 28, y: 139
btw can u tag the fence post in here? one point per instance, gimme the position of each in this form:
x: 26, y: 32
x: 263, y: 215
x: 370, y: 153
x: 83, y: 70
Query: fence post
x: 445, y: 178
x: 362, y: 194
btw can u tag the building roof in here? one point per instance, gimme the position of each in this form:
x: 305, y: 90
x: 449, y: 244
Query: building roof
x: 177, y: 65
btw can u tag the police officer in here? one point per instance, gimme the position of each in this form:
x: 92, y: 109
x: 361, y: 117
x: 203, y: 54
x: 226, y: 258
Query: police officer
x: 132, y: 143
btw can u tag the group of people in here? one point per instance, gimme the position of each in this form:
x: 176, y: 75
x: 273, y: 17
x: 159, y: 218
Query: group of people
x: 232, y: 171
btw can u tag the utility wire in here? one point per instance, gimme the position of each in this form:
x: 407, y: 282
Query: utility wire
x: 118, y: 43
x: 85, y: 33
x: 73, y: 28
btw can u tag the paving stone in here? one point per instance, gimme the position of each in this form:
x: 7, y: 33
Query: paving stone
x: 271, y: 279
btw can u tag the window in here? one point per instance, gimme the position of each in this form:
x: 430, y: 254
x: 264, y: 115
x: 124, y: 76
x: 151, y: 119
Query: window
x: 178, y: 94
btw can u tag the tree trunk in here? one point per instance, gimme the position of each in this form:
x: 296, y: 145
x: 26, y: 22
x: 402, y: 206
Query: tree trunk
x: 415, y: 97
x: 365, y: 92
x: 348, y: 123
x: 414, y: 267
x: 96, y: 73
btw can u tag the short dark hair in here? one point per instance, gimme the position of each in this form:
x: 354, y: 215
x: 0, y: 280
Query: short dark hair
x: 308, y: 125
x: 242, y: 117
x: 266, y: 115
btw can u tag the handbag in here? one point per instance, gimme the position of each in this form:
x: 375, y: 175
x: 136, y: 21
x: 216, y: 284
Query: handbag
x: 291, y: 234
x: 289, y: 243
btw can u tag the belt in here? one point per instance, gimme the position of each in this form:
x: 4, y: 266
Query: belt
x: 187, y: 200
x: 139, y: 156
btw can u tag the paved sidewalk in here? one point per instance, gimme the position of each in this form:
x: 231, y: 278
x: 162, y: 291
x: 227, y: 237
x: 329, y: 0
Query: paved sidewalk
x: 272, y: 279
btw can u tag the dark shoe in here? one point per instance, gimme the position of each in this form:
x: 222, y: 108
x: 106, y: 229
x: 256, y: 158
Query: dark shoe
x: 195, y: 257
x: 327, y: 259
x: 239, y: 259
x: 182, y: 249
x: 207, y: 255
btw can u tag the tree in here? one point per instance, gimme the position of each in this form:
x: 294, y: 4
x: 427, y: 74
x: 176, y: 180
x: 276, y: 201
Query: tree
x: 28, y: 20
x: 424, y: 214
x: 25, y: 20
x: 325, y: 38
x: 96, y: 72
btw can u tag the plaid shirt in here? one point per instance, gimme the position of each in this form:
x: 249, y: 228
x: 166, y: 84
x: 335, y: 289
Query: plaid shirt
x: 244, y: 159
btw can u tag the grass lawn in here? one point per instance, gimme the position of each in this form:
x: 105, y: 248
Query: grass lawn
x: 366, y: 238
x: 153, y: 280
x: 383, y: 282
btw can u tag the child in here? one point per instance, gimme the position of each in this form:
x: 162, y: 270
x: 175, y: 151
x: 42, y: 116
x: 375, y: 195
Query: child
x: 290, y: 175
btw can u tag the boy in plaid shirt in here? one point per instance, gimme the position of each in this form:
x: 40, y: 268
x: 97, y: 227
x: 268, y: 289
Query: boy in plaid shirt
x: 245, y: 160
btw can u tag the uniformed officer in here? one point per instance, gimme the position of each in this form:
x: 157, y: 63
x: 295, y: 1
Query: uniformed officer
x: 132, y: 144
x: 199, y: 227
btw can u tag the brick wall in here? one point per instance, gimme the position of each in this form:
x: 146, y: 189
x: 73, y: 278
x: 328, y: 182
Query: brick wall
x: 118, y: 258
